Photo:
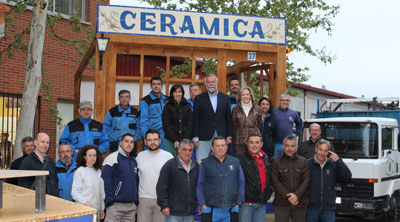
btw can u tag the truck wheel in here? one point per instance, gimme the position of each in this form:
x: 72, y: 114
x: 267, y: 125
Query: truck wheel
x: 393, y: 213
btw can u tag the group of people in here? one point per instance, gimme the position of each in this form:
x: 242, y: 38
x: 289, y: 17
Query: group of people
x: 218, y: 155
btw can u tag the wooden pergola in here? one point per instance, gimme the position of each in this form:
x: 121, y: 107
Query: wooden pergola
x: 271, y: 56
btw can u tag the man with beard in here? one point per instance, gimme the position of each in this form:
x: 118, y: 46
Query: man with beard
x: 150, y: 163
x: 65, y: 168
x: 234, y: 88
x: 151, y: 108
x: 211, y: 117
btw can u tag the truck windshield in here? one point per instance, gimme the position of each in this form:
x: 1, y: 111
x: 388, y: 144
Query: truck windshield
x: 352, y: 140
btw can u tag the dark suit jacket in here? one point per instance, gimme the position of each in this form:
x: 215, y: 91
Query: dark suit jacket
x: 205, y: 121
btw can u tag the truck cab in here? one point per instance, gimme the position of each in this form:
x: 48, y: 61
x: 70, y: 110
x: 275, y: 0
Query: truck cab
x: 369, y: 147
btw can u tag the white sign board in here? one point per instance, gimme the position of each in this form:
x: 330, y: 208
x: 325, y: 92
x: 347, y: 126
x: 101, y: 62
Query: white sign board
x: 187, y: 24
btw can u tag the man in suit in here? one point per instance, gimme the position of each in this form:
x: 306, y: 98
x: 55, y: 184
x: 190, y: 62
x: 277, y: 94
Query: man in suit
x: 212, y: 116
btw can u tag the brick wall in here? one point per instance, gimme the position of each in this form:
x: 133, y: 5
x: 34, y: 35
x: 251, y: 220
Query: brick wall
x: 60, y: 64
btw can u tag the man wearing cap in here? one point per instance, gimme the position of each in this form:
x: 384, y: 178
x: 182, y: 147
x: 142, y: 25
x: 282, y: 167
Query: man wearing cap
x: 85, y: 131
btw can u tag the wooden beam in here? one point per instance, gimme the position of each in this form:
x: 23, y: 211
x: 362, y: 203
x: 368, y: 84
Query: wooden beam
x: 235, y: 68
x: 168, y: 70
x: 253, y: 68
x: 280, y: 72
x: 86, y: 58
x: 111, y: 73
x: 78, y: 76
x: 241, y: 55
x: 197, y: 43
x: 100, y: 86
x: 141, y: 76
x: 221, y: 70
x: 261, y: 82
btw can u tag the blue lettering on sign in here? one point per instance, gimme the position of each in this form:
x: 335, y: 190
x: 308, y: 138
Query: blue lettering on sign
x: 164, y: 23
x: 187, y: 25
x: 144, y: 21
x: 236, y: 28
x: 226, y: 27
x: 214, y: 26
x: 123, y: 19
x: 257, y: 30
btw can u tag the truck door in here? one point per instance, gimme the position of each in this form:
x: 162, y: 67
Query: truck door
x: 390, y: 152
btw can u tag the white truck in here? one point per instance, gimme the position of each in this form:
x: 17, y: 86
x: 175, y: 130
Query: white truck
x: 369, y: 146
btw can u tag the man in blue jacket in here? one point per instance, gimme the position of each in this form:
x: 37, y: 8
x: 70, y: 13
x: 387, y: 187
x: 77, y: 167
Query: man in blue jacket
x: 151, y: 108
x: 220, y: 187
x: 85, y: 131
x: 120, y: 176
x: 324, y: 173
x: 65, y: 168
x: 288, y: 123
x: 121, y: 119
x: 176, y: 186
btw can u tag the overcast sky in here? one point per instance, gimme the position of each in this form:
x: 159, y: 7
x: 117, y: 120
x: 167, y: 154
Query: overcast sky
x: 366, y: 41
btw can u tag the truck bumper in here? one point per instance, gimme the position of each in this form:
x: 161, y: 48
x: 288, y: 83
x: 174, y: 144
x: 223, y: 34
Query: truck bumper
x: 352, y: 205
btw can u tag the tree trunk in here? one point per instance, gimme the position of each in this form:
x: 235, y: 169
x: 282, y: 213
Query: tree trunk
x: 33, y: 76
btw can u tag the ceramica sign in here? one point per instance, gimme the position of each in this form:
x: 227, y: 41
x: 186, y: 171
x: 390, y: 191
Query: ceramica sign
x: 186, y: 24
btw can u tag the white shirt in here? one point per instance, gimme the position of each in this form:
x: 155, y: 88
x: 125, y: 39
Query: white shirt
x: 88, y: 186
x: 149, y: 165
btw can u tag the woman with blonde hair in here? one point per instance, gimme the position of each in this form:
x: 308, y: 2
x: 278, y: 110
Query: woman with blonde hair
x: 246, y: 118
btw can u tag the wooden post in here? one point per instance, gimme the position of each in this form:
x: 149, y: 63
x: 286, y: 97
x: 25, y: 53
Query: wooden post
x: 221, y: 70
x: 261, y: 83
x: 168, y: 69
x: 100, y: 85
x: 280, y: 84
x: 141, y: 76
x: 110, y: 76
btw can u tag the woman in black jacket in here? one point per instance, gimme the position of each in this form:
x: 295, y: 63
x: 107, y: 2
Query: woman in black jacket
x: 176, y: 118
x: 267, y: 126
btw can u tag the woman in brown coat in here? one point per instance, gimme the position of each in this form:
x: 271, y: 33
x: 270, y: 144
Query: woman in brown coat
x: 246, y: 118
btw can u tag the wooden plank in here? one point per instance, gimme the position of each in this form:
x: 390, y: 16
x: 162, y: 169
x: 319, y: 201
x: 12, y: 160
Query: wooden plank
x: 19, y: 205
x: 141, y: 77
x: 253, y: 68
x: 86, y: 58
x: 89, y: 78
x: 111, y: 60
x: 193, y: 66
x: 168, y: 70
x: 261, y: 82
x: 280, y: 74
x: 221, y: 70
x: 77, y: 96
x: 99, y: 87
x: 241, y: 55
x: 4, y: 174
x: 235, y: 68
x: 198, y: 43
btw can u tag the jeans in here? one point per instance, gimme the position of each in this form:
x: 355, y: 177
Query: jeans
x: 252, y: 213
x: 204, y: 148
x: 220, y: 214
x: 278, y: 150
x: 172, y: 218
x: 317, y: 215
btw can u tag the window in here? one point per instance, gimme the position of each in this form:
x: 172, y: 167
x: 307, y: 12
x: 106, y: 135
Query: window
x: 69, y: 7
x: 64, y: 7
x: 387, y: 139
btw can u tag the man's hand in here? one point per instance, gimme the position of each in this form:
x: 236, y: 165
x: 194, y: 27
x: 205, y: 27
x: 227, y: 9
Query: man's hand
x: 292, y: 199
x: 102, y: 215
x: 165, y: 211
x: 88, y: 204
x: 333, y: 156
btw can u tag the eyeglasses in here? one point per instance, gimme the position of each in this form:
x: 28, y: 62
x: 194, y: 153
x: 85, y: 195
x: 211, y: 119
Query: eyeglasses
x: 65, y: 151
x: 285, y: 100
x: 91, y: 155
